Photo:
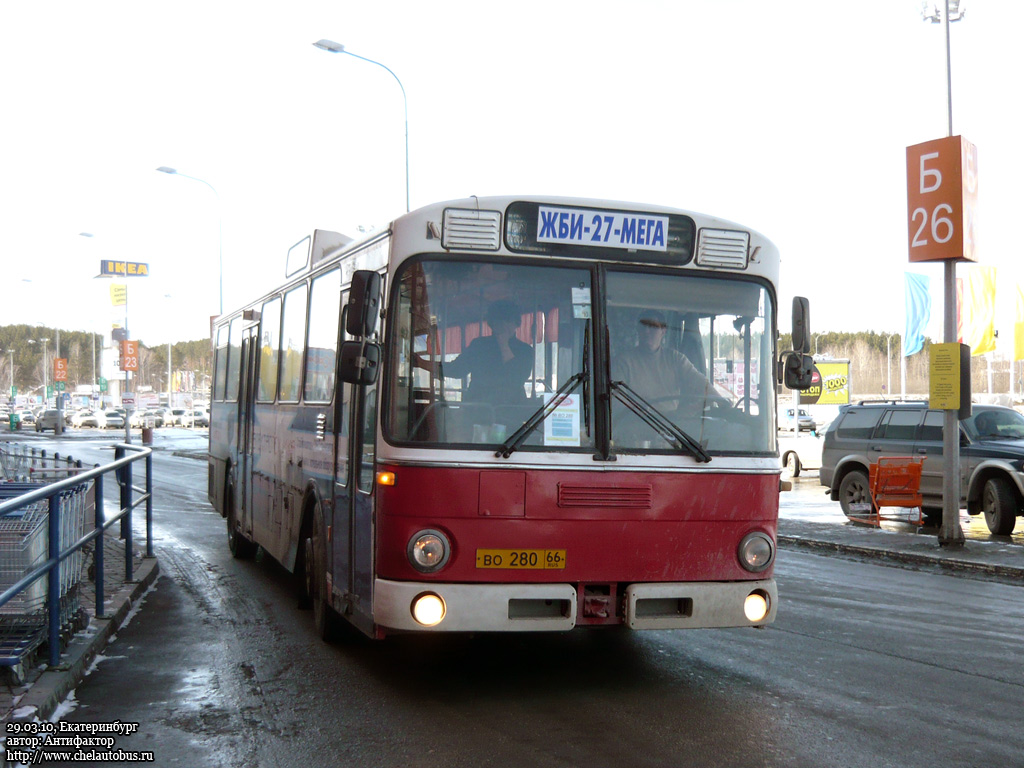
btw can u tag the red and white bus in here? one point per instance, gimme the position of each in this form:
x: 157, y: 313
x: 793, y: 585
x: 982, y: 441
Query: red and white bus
x: 456, y: 424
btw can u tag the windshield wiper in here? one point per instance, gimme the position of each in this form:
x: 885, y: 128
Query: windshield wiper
x: 658, y: 421
x: 518, y: 437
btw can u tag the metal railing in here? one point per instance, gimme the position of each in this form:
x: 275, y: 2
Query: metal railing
x: 122, y: 467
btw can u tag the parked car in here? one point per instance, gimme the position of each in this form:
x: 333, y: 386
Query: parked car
x: 88, y: 418
x: 113, y: 419
x: 139, y: 418
x: 27, y: 417
x: 195, y: 418
x: 807, y: 423
x: 799, y: 452
x: 48, y: 419
x: 176, y: 414
x: 991, y: 457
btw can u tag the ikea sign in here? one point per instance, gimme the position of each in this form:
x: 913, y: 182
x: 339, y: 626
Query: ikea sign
x: 123, y: 269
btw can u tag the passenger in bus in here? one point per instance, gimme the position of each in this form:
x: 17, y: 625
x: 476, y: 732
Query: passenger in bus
x: 498, y: 365
x: 661, y: 375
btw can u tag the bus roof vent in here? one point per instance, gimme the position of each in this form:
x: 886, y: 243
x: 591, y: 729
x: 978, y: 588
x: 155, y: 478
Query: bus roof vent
x: 325, y: 243
x: 723, y: 248
x: 470, y: 230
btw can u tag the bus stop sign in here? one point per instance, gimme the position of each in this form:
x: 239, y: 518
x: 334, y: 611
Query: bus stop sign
x: 942, y: 195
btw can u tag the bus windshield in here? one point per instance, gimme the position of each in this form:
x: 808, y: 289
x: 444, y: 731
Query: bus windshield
x: 694, y: 352
x: 478, y: 348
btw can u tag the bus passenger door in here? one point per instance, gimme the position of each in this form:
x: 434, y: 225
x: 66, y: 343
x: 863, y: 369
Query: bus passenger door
x: 343, y: 487
x: 246, y: 396
x: 364, y: 467
x: 352, y: 536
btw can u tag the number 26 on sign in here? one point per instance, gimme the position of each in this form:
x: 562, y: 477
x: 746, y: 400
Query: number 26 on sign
x: 942, y: 195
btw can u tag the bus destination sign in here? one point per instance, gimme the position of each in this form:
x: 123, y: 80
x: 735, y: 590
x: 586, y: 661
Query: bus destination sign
x: 604, y: 229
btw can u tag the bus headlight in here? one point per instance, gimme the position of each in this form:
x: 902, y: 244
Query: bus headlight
x: 756, y: 606
x: 756, y: 551
x: 428, y: 609
x: 429, y: 551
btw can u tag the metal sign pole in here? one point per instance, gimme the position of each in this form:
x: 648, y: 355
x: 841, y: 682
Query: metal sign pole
x: 950, y: 534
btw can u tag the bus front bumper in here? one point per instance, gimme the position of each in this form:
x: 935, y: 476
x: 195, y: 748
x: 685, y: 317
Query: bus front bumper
x: 553, y: 607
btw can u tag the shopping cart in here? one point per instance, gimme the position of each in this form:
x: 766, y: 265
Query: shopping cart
x: 13, y: 464
x: 24, y: 546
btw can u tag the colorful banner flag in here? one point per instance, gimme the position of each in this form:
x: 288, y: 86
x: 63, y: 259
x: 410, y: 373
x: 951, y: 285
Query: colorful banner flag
x: 979, y: 309
x: 918, y: 312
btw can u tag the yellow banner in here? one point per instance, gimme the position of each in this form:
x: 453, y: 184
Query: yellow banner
x: 1018, y: 326
x: 979, y: 309
x: 118, y: 295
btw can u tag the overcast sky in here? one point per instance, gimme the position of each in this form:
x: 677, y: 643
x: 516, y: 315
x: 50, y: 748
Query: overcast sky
x: 792, y: 117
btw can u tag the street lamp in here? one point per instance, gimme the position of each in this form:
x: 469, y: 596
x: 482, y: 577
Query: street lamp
x: 888, y: 363
x: 168, y: 296
x: 46, y: 395
x: 10, y: 357
x: 220, y: 231
x: 333, y: 47
x: 950, y: 533
x: 45, y: 382
x: 951, y: 12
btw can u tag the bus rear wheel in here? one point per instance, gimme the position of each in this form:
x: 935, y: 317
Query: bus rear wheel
x: 324, y: 617
x: 240, y: 546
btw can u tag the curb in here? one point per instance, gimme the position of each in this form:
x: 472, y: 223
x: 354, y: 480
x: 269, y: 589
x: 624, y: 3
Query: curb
x: 906, y: 558
x: 53, y: 685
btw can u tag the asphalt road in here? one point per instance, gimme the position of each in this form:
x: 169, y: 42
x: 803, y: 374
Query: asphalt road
x: 867, y: 665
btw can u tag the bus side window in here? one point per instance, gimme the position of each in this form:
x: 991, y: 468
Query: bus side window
x: 270, y: 350
x: 322, y: 341
x: 220, y: 364
x: 293, y: 334
x: 234, y: 366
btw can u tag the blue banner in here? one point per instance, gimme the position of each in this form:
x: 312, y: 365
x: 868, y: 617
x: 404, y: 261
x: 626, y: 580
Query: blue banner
x: 919, y: 307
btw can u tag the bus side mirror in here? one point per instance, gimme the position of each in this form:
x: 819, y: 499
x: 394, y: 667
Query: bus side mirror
x: 363, y: 304
x: 360, y: 362
x: 797, y: 371
x: 801, y: 325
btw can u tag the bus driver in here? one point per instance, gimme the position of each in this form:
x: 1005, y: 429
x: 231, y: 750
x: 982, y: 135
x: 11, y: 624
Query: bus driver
x: 662, y: 376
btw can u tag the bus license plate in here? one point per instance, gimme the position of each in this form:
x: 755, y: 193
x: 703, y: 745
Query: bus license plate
x: 521, y: 559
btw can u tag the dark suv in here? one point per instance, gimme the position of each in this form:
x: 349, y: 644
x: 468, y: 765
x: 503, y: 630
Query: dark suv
x: 48, y: 420
x: 991, y: 457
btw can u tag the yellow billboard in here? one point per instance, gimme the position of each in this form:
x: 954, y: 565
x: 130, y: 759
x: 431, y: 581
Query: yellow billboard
x: 830, y: 384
